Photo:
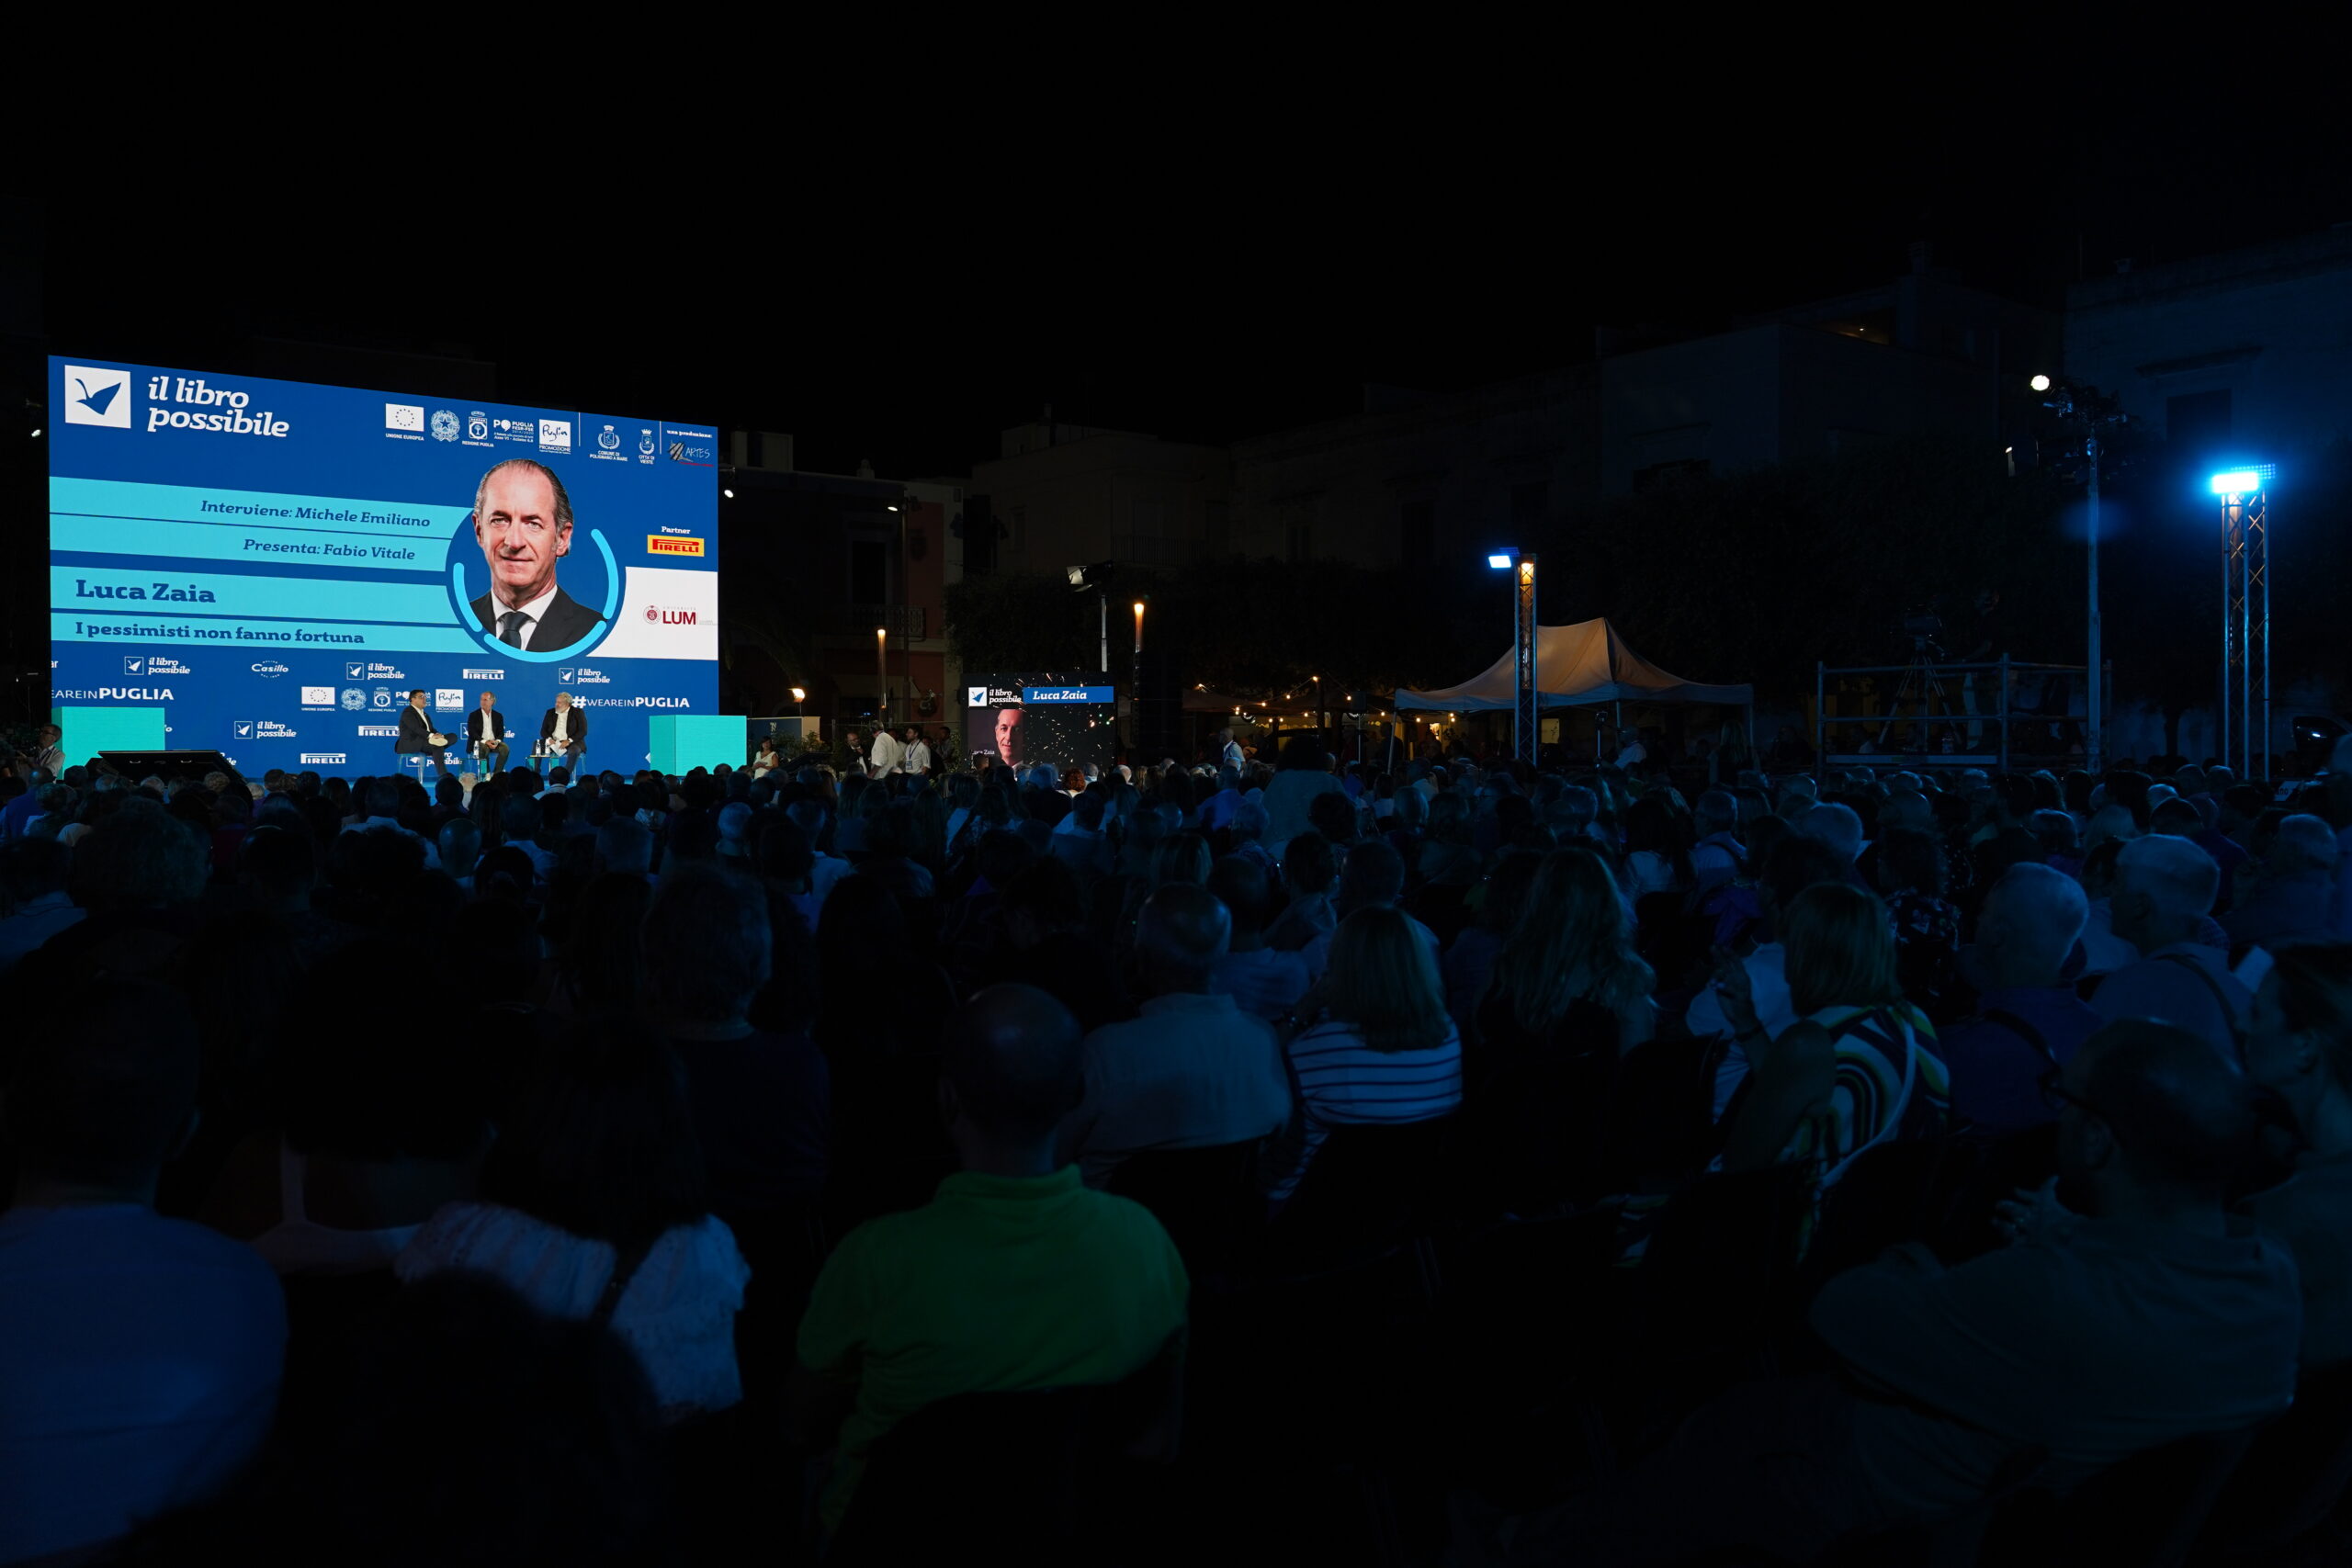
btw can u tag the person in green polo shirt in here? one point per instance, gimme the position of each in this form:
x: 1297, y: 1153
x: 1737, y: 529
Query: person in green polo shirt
x: 1015, y: 1276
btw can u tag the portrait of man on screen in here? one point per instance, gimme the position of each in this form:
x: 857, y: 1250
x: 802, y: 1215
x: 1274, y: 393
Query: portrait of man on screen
x: 522, y: 520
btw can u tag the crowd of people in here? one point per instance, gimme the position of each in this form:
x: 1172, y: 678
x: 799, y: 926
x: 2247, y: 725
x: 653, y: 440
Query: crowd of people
x: 575, y: 1168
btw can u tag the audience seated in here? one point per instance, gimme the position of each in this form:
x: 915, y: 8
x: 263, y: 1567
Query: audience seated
x: 593, y: 1204
x: 1373, y: 878
x: 2027, y: 1020
x: 465, y: 1427
x: 1953, y: 1371
x: 34, y: 905
x: 760, y: 1099
x: 2291, y: 894
x: 1858, y: 1069
x: 1379, y: 1049
x: 593, y: 1099
x: 1793, y: 866
x: 1193, y: 1070
x: 2299, y: 1045
x: 1264, y: 982
x: 140, y: 1357
x: 1015, y: 1276
x: 2162, y: 887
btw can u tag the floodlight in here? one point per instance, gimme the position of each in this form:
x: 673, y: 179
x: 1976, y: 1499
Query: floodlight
x: 1499, y: 560
x: 799, y: 695
x: 2237, y: 481
x: 728, y: 494
x: 2040, y: 383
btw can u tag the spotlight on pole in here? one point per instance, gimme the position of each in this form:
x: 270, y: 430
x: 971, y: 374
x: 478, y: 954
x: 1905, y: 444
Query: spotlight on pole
x: 2040, y: 383
x: 2237, y: 481
x: 1499, y: 560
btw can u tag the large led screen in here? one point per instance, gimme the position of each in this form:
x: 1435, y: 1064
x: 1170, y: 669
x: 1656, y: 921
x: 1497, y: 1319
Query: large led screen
x: 277, y: 565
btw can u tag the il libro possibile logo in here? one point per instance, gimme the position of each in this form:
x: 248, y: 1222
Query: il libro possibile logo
x: 97, y: 397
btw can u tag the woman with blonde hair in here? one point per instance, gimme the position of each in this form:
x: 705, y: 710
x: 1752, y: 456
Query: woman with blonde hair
x: 1567, y: 969
x: 1377, y: 1048
x: 1568, y: 996
x: 1859, y: 1068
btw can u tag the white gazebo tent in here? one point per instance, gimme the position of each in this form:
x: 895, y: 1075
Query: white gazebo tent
x: 1583, y: 665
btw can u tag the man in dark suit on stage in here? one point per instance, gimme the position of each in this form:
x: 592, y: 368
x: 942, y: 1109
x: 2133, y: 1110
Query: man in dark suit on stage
x: 418, y: 734
x: 486, y: 723
x: 567, y: 727
x: 523, y: 522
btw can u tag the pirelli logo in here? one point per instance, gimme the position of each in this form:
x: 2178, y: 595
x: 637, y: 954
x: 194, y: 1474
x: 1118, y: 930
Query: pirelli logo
x: 666, y: 545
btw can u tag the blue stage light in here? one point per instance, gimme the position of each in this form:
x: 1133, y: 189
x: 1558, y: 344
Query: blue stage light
x: 2237, y: 481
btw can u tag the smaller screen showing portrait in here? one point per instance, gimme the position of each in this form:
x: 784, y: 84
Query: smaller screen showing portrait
x: 1023, y: 720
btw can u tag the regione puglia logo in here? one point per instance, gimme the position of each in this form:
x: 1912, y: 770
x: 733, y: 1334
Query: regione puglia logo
x: 97, y: 397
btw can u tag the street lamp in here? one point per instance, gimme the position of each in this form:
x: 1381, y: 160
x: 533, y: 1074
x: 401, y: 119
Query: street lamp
x: 1521, y: 565
x: 1135, y: 697
x: 1096, y: 579
x: 2083, y: 407
x: 882, y: 674
x: 2246, y: 616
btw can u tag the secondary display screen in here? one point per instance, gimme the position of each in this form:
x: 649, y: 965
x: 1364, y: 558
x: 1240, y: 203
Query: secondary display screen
x: 1022, y: 719
x: 277, y: 565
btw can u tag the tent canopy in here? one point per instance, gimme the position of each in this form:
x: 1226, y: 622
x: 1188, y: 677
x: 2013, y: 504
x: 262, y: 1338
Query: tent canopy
x: 1576, y: 666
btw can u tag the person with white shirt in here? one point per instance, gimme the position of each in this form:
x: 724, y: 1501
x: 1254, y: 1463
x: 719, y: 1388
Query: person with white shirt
x: 915, y: 757
x: 486, y: 733
x: 565, y: 729
x: 1229, y: 752
x: 1795, y: 865
x: 886, y: 755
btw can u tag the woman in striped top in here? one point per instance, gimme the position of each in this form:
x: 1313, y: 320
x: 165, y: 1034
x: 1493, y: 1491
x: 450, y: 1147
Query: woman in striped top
x: 1380, y: 1048
x: 1860, y: 1067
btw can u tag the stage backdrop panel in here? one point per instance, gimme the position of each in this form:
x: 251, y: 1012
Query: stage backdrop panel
x: 89, y: 731
x: 273, y: 566
x: 683, y: 742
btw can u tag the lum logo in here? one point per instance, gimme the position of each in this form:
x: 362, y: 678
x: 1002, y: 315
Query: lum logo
x: 662, y: 615
x: 97, y: 397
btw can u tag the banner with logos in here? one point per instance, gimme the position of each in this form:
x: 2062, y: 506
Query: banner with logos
x: 277, y: 565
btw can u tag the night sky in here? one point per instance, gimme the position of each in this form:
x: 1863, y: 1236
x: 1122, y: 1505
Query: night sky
x: 1210, y: 273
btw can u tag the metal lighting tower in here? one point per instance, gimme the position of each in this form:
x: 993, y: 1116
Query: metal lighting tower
x: 1520, y: 564
x: 2246, y: 620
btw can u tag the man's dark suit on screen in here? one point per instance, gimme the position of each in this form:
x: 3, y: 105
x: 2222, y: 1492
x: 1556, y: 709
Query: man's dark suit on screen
x: 567, y: 621
x: 414, y: 728
x: 497, y: 734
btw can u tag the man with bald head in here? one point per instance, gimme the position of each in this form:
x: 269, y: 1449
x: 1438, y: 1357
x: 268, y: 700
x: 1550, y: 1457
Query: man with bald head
x: 1015, y: 1276
x: 2163, y: 886
x: 1193, y: 1070
x: 2027, y: 1020
x: 522, y: 522
x: 2137, y: 1314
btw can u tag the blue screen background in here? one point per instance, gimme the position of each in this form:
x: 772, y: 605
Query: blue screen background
x: 292, y: 642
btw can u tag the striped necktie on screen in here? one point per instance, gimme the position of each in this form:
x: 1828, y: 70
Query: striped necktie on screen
x: 510, y: 627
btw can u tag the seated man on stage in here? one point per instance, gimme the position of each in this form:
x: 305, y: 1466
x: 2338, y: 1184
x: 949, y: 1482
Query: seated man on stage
x: 418, y: 734
x: 486, y: 734
x: 565, y: 728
